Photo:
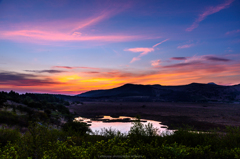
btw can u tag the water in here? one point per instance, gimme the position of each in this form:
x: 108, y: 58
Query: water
x: 121, y: 123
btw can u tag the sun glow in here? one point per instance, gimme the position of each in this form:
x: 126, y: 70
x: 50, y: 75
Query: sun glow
x: 67, y: 78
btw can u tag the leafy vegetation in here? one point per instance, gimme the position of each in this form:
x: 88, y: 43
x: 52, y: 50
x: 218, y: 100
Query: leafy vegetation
x: 76, y: 127
x: 18, y: 109
x: 43, y: 141
x: 44, y: 138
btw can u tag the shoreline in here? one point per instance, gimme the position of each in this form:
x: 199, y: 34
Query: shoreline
x: 199, y: 116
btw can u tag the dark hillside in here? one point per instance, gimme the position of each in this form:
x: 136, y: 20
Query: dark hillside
x: 194, y: 92
x: 122, y: 91
x: 19, y: 109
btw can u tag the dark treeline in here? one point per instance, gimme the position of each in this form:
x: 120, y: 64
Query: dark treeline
x: 37, y: 107
x: 38, y: 101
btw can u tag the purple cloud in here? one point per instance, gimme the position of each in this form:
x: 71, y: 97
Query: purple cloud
x: 69, y: 67
x: 178, y: 58
x: 20, y: 79
x: 45, y: 71
x: 214, y: 58
x: 183, y: 64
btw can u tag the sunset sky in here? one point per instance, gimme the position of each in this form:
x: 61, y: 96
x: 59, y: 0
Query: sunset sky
x: 73, y: 46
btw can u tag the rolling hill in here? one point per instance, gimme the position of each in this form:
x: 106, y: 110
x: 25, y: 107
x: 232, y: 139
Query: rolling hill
x: 194, y: 92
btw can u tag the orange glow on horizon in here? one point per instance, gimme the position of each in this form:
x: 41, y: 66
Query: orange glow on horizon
x: 74, y: 82
x: 68, y: 78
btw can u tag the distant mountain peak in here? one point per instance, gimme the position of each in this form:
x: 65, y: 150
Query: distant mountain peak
x: 128, y: 84
x: 212, y: 83
x: 194, y: 84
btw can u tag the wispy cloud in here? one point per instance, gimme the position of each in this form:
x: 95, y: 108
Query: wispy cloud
x: 178, y: 58
x: 179, y: 65
x: 155, y: 62
x: 135, y: 59
x: 20, y: 79
x: 69, y: 67
x: 29, y: 35
x: 203, y: 69
x: 45, y: 71
x: 198, y: 68
x: 185, y: 46
x: 91, y: 72
x: 64, y: 67
x: 232, y: 32
x: 111, y: 9
x: 209, y: 11
x: 214, y: 58
x: 92, y: 21
x: 65, y: 29
x: 144, y: 50
x: 205, y: 58
x: 160, y: 43
x: 196, y: 61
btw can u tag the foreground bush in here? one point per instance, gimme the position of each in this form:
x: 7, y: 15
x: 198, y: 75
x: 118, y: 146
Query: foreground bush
x: 46, y: 142
x: 8, y: 135
x: 76, y: 127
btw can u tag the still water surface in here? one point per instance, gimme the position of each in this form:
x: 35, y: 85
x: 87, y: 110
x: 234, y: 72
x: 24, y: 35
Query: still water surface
x: 121, y: 123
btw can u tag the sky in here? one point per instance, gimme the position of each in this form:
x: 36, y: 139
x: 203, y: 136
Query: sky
x: 73, y: 46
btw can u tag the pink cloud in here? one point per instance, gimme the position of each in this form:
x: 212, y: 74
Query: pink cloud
x: 92, y: 21
x: 232, y: 32
x: 69, y: 67
x: 29, y: 35
x: 64, y: 25
x: 77, y: 33
x: 185, y: 46
x: 144, y: 50
x: 209, y: 11
x: 155, y: 62
x: 113, y: 9
x: 202, y: 69
x: 160, y: 43
x: 135, y: 59
x: 63, y: 30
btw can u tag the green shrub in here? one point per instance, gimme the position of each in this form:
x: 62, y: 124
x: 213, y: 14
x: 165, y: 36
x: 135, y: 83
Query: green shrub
x: 10, y: 118
x: 8, y: 135
x: 76, y: 127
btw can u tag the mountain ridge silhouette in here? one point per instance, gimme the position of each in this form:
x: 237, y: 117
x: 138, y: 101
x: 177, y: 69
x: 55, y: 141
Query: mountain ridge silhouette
x: 184, y: 93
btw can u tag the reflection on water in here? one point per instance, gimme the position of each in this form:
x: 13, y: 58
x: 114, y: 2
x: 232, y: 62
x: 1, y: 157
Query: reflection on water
x: 121, y: 123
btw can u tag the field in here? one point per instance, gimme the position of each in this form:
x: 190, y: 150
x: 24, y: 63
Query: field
x: 200, y: 116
